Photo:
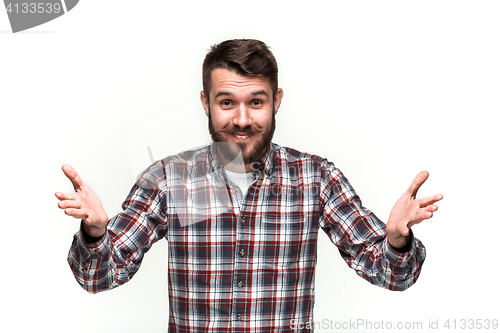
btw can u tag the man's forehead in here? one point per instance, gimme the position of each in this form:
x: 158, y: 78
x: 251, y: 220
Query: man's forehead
x: 230, y: 93
x: 227, y: 82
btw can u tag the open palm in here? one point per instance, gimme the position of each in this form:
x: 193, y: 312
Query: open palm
x: 409, y: 211
x: 83, y: 204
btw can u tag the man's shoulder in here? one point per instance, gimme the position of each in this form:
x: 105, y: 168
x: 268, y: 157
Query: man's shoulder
x: 188, y: 156
x: 178, y: 165
x: 292, y: 155
x: 295, y: 163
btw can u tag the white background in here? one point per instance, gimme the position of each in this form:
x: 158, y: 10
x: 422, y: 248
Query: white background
x: 384, y: 89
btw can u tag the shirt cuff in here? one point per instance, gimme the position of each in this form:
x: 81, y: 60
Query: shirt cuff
x: 400, y: 258
x: 95, y: 250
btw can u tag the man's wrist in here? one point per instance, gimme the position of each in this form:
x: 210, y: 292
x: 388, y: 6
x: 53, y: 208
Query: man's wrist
x: 407, y: 245
x: 89, y: 237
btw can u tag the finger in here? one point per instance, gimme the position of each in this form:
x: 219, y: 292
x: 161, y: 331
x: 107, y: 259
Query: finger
x: 90, y: 220
x: 432, y: 208
x: 65, y: 196
x: 69, y: 204
x: 416, y: 183
x: 76, y: 213
x: 404, y: 230
x: 73, y: 176
x: 424, y: 202
x: 423, y: 214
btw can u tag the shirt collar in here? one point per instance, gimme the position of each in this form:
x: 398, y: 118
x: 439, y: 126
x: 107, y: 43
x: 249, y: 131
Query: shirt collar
x: 268, y: 161
x: 213, y: 160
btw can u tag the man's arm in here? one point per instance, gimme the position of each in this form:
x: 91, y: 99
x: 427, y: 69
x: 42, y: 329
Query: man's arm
x: 104, y: 259
x: 362, y: 238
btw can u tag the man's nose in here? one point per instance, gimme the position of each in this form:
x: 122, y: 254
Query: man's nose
x: 242, y: 117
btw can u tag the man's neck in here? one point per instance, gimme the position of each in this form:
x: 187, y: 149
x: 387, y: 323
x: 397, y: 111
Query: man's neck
x: 238, y: 167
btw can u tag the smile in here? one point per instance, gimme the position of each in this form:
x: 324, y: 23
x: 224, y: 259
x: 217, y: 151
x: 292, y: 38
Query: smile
x: 242, y: 136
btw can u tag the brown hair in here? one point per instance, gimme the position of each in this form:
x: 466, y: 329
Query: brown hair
x: 248, y: 57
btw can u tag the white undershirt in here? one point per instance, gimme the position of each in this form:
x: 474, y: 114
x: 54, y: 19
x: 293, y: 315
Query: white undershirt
x: 242, y: 180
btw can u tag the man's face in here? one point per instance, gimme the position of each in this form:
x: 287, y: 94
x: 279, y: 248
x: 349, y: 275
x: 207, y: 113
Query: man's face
x: 241, y: 110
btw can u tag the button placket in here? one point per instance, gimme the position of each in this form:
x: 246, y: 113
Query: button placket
x: 239, y: 277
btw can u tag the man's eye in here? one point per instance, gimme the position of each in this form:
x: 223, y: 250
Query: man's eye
x: 225, y: 103
x: 257, y: 102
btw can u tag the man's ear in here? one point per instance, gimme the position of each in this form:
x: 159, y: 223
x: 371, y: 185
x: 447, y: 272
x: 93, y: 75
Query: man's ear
x: 204, y: 102
x: 277, y: 99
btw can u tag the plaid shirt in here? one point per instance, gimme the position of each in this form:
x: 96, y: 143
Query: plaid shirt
x: 242, y: 264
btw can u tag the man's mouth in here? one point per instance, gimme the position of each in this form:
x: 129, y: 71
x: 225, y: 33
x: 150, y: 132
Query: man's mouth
x: 241, y: 136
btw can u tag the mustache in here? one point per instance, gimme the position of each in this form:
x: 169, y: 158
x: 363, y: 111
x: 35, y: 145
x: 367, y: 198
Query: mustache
x: 247, y: 130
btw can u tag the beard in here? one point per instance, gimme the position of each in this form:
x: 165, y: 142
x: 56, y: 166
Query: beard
x: 231, y: 151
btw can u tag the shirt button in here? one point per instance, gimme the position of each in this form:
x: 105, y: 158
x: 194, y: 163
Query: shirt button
x: 241, y: 284
x: 242, y: 253
x: 238, y: 316
x: 243, y: 220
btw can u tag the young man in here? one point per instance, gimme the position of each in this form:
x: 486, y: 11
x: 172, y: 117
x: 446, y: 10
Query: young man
x: 242, y: 215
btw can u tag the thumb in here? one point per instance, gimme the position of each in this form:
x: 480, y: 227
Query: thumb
x: 73, y: 176
x: 416, y: 183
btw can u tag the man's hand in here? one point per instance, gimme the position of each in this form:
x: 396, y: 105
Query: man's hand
x: 84, y: 204
x: 409, y: 211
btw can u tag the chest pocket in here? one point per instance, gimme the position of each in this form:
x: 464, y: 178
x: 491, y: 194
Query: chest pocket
x: 281, y: 238
x: 286, y: 231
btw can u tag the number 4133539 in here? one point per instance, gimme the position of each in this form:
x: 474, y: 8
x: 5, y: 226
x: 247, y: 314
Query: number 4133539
x: 471, y: 324
x: 33, y: 8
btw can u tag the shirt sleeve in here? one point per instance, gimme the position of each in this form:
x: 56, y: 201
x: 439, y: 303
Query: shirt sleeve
x: 116, y: 257
x: 361, y: 237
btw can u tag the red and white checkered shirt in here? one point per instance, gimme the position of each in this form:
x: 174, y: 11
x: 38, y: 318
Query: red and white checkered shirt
x: 242, y: 264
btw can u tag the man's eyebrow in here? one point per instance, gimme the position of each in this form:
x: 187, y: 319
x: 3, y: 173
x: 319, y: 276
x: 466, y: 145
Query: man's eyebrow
x: 254, y: 93
x: 260, y: 92
x: 223, y: 93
